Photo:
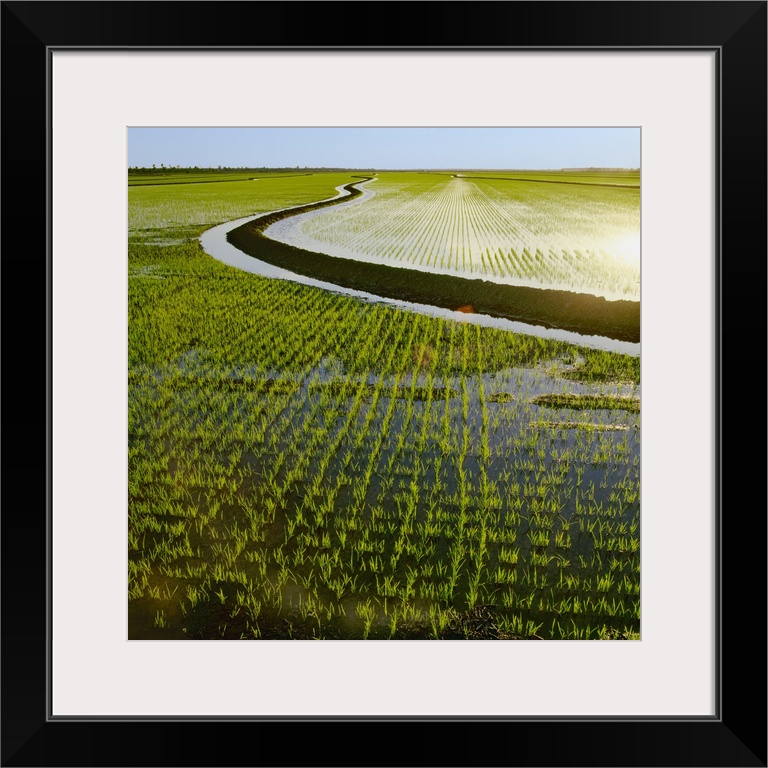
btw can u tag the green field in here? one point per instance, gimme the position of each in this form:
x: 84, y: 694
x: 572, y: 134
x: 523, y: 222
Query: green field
x: 305, y: 465
x: 628, y: 178
x: 189, y: 176
x: 177, y: 212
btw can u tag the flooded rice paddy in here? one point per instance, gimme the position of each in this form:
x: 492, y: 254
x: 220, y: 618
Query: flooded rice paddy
x: 306, y: 465
x: 342, y: 504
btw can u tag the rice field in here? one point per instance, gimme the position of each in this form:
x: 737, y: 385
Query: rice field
x: 303, y: 465
x: 563, y: 232
x: 174, y: 212
x: 204, y: 176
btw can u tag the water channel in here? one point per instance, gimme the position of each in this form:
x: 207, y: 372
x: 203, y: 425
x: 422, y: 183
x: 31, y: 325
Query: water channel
x: 214, y: 242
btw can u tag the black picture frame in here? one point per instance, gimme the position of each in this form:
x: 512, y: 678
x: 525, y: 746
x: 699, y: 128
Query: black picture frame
x: 736, y: 735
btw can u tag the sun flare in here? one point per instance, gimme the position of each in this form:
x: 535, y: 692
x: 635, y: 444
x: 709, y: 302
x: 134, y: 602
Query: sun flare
x: 627, y: 247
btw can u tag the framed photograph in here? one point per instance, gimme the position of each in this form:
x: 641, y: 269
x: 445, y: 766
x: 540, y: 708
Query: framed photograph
x: 83, y: 84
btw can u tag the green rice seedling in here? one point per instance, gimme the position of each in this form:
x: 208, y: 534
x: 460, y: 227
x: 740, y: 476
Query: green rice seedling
x: 439, y: 619
x: 393, y: 617
x: 411, y: 613
x: 367, y: 613
x: 557, y: 631
x: 615, y: 564
x: 473, y: 591
x: 168, y: 594
x: 541, y: 559
x: 539, y: 538
x: 624, y: 544
x: 605, y: 583
x: 154, y: 592
x: 389, y: 586
x: 520, y: 627
x: 253, y: 608
x: 628, y: 586
x: 579, y: 633
x: 340, y: 585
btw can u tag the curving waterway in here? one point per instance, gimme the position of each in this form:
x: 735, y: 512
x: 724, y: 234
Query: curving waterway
x: 214, y: 242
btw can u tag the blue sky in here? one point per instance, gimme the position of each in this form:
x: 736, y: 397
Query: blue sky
x: 382, y: 148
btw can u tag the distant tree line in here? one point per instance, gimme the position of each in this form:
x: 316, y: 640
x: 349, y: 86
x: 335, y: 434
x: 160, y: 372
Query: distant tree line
x: 230, y: 169
x: 599, y: 170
